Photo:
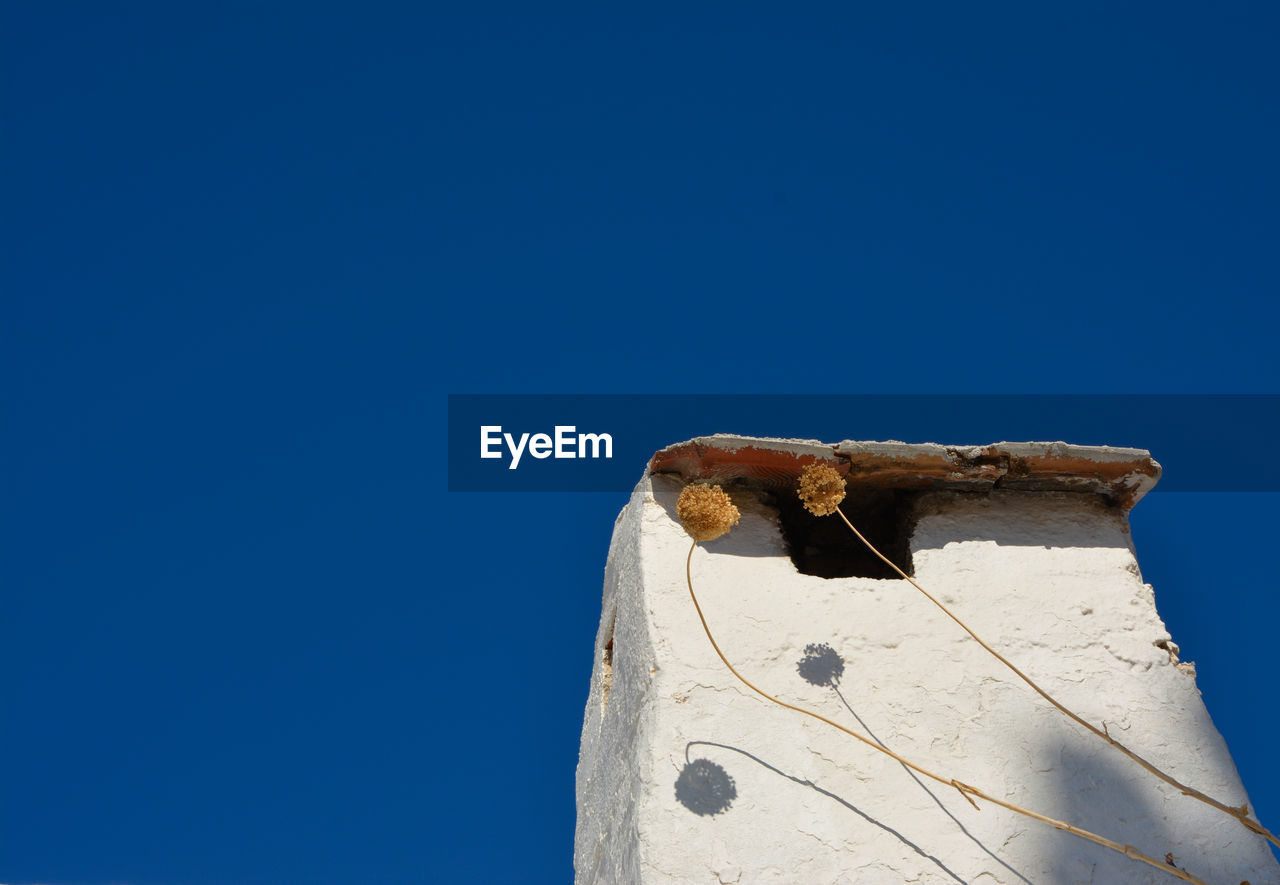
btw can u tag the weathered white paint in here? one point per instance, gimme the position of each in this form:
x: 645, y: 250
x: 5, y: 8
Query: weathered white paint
x: 1048, y: 577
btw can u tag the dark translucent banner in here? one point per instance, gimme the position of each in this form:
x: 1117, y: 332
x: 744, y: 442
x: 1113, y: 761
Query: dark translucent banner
x: 601, y: 443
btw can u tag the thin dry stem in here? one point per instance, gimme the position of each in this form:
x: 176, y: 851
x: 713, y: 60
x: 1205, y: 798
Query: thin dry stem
x: 1239, y: 813
x: 965, y: 790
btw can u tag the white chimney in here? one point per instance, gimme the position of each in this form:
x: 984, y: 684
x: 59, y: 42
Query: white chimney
x: 686, y: 775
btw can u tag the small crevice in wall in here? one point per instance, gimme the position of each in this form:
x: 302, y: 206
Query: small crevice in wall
x: 824, y: 546
x: 606, y: 665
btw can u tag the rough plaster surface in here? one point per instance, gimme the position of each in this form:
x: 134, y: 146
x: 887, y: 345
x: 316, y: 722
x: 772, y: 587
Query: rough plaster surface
x: 1048, y: 577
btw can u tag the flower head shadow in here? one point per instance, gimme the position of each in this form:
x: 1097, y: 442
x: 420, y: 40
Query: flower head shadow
x: 821, y: 665
x: 705, y: 788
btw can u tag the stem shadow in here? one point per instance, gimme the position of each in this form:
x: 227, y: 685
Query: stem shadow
x: 849, y: 805
x: 823, y: 666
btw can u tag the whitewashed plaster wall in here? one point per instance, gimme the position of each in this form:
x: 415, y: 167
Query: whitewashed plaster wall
x: 686, y: 776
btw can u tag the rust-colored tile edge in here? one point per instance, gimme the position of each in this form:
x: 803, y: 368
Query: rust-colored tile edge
x: 710, y: 463
x: 1123, y: 481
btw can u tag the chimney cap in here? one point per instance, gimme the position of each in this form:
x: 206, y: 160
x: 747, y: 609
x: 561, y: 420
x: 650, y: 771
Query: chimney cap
x: 1122, y: 475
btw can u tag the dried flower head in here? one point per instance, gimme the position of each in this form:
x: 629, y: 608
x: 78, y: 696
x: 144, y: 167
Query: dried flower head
x: 821, y: 489
x: 706, y: 512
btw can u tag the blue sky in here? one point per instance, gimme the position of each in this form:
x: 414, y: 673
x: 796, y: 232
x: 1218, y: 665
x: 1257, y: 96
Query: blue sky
x: 248, y: 249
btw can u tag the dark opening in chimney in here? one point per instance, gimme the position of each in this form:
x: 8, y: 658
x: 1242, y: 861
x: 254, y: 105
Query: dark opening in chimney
x: 823, y: 545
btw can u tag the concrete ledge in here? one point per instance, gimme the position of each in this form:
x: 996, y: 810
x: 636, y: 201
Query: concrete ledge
x: 1121, y: 475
